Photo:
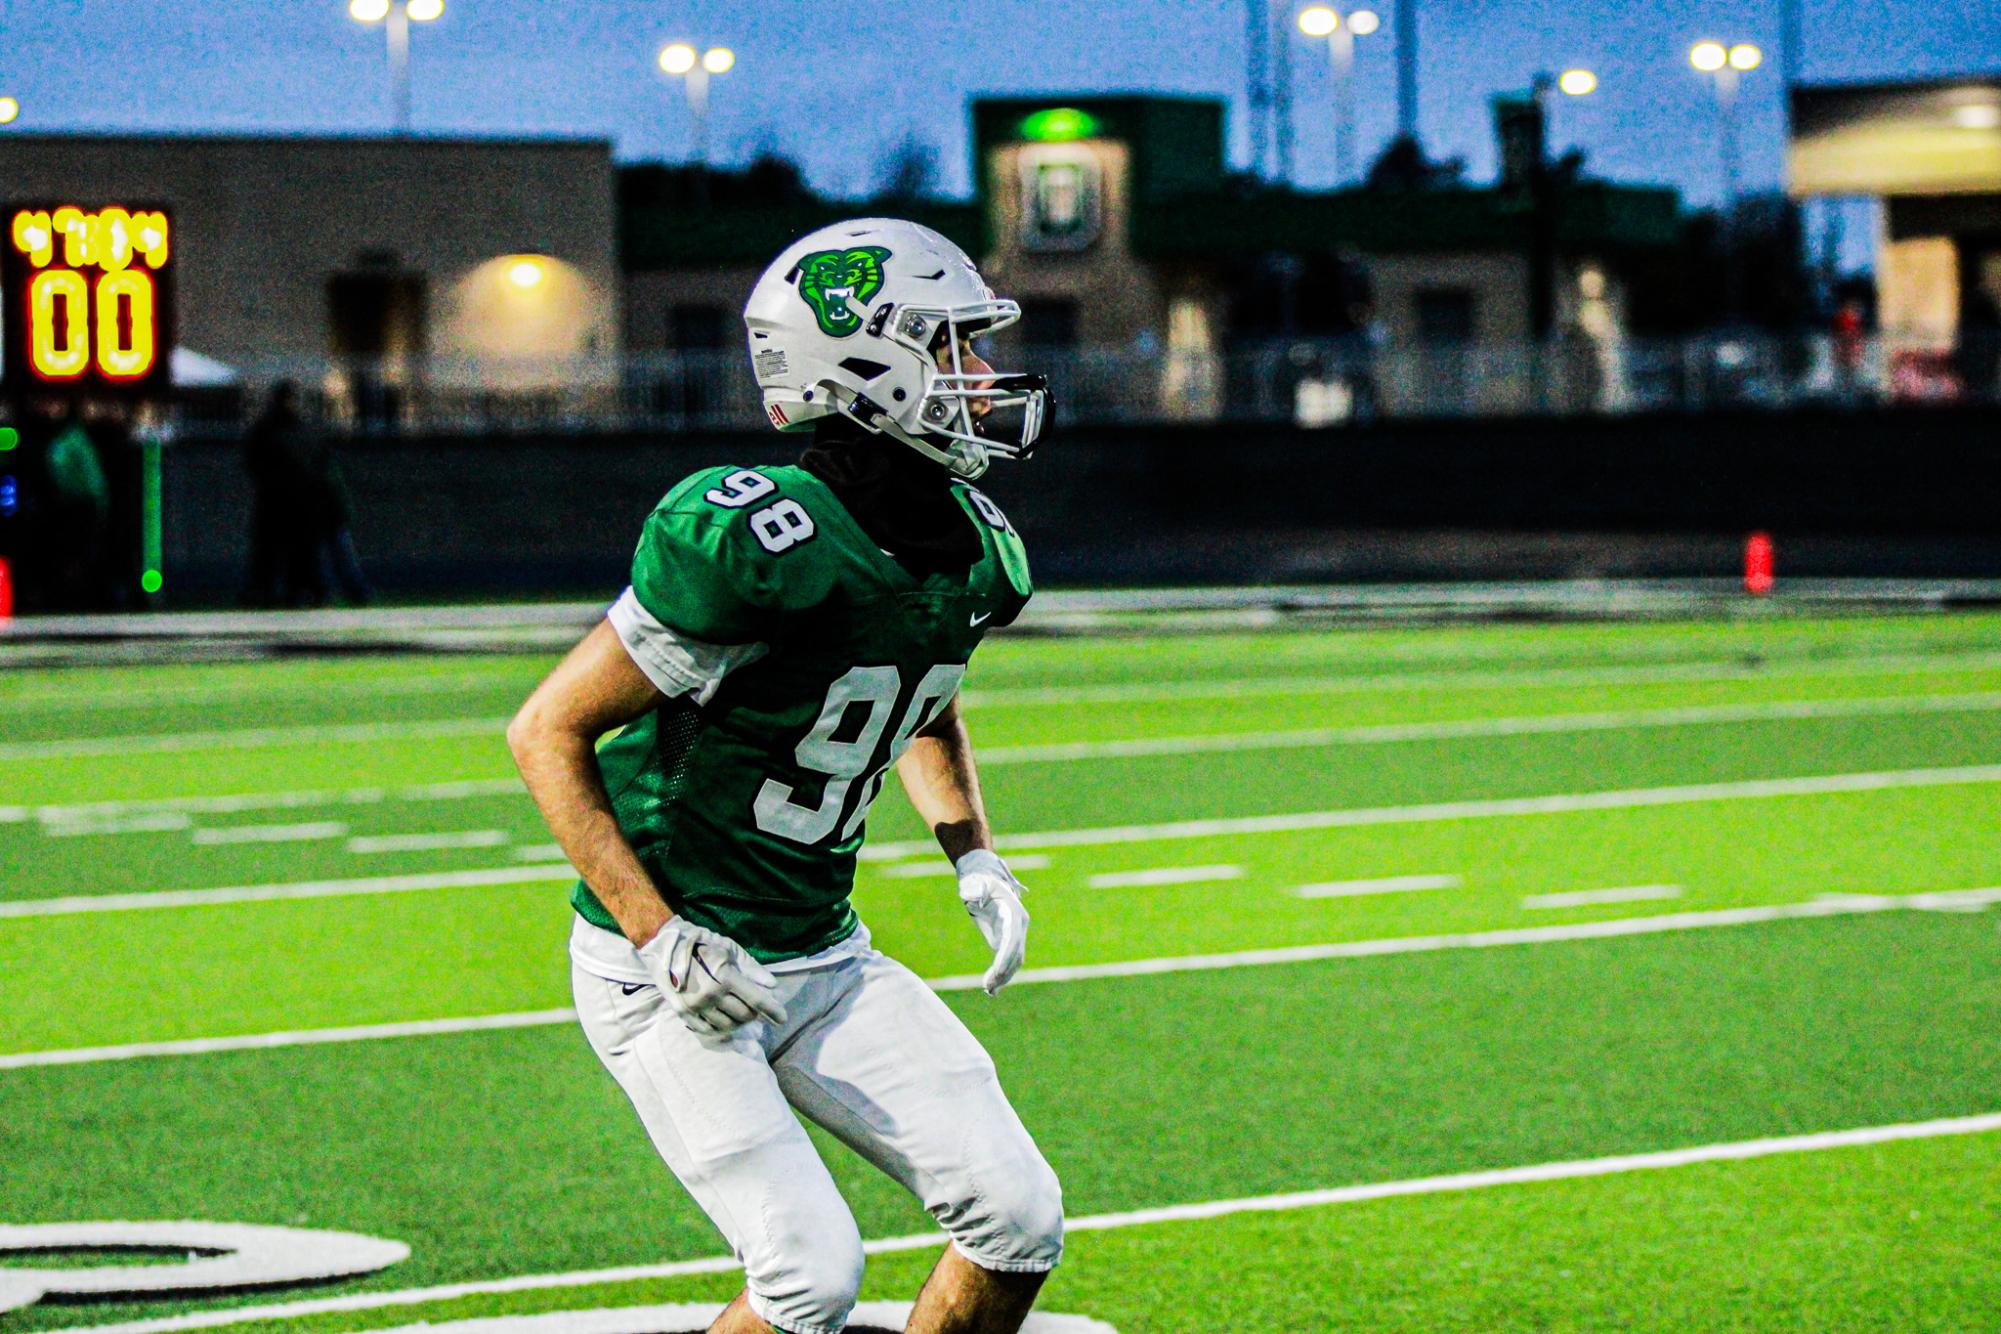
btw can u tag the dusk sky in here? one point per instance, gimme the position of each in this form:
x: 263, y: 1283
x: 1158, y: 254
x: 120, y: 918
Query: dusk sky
x: 835, y: 84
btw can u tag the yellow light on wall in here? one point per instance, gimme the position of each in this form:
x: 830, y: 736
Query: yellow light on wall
x: 1708, y: 57
x: 9, y: 110
x: 527, y: 273
x: 1363, y: 22
x: 677, y: 58
x: 368, y: 11
x: 1578, y: 82
x: 1746, y: 56
x: 1318, y: 21
x: 423, y: 11
x: 718, y: 60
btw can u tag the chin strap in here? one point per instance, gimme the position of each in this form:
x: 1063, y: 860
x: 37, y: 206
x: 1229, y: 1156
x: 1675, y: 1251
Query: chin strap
x: 868, y: 414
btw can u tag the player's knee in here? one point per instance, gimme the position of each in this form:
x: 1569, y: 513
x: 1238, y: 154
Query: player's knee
x: 1015, y: 1221
x: 808, y: 1280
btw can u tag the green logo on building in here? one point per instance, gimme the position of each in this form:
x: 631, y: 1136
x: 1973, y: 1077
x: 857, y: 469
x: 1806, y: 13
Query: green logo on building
x: 832, y: 282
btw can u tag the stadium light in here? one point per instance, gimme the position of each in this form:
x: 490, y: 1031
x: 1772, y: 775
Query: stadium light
x: 1318, y: 22
x: 1745, y: 56
x: 1708, y: 56
x: 1578, y: 82
x: 679, y: 60
x: 10, y: 110
x: 399, y: 15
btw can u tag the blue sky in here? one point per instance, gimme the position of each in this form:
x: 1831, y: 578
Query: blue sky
x: 835, y: 84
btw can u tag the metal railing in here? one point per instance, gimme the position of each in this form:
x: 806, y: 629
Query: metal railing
x: 1326, y: 383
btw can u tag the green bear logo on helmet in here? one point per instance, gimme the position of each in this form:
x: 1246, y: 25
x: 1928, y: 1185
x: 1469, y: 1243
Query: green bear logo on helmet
x: 834, y: 282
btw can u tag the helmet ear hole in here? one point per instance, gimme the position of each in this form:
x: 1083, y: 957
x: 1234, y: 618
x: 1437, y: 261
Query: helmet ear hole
x: 863, y: 369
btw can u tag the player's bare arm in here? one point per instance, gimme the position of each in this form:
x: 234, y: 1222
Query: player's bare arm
x: 939, y: 774
x: 714, y: 985
x: 595, y: 689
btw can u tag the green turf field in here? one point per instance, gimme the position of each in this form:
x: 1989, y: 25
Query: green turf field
x: 1579, y: 978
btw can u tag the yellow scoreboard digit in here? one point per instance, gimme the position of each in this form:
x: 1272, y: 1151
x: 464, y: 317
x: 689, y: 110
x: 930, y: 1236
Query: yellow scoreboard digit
x: 88, y: 297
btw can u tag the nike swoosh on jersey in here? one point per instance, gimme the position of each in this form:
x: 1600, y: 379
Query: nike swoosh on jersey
x: 982, y: 620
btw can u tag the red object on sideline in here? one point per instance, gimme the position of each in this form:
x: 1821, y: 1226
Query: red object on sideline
x: 6, y: 590
x: 1758, y: 577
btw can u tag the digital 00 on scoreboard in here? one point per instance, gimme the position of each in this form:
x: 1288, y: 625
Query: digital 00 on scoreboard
x: 89, y: 298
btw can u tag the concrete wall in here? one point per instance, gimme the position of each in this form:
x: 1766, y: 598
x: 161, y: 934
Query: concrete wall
x: 1844, y: 494
x: 263, y: 224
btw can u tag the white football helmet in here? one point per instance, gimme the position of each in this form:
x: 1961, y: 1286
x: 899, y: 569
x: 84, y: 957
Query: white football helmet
x: 850, y: 320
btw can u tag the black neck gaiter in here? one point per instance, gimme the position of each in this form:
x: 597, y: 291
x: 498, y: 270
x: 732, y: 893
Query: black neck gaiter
x: 901, y: 499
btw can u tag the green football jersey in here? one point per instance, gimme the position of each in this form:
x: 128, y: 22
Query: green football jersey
x: 799, y: 660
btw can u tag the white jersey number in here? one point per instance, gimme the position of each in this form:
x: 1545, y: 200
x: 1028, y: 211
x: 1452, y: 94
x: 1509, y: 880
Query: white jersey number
x: 845, y: 762
x: 778, y: 527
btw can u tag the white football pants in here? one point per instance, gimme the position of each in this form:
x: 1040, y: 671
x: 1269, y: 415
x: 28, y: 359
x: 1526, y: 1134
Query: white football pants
x: 868, y: 1053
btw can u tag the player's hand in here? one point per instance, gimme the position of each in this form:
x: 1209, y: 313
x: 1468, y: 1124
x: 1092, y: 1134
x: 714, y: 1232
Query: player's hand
x: 993, y: 897
x: 711, y: 981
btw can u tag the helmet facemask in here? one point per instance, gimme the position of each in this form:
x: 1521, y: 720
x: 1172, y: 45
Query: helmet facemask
x: 944, y: 425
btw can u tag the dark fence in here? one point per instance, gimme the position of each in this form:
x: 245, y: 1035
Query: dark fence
x: 1886, y: 493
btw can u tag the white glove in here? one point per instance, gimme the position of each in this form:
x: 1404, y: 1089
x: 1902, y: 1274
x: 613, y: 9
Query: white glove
x: 710, y: 980
x: 993, y: 897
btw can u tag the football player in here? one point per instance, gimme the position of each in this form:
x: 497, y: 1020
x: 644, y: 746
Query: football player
x: 790, y: 634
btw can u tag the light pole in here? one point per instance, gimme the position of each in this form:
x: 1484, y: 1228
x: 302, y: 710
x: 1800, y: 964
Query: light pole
x: 397, y: 16
x: 1321, y: 21
x: 679, y: 59
x: 1726, y: 66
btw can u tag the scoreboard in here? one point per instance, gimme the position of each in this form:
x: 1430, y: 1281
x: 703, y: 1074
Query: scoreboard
x: 88, y: 298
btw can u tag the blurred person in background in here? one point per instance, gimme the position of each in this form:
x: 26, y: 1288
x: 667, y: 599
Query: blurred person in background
x: 300, y: 540
x: 283, y: 550
x: 335, y: 560
x: 75, y: 514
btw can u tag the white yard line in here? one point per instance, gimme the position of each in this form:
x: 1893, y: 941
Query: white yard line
x: 303, y: 889
x: 1518, y: 725
x: 249, y: 738
x: 1389, y: 884
x: 1587, y: 898
x: 1829, y: 906
x: 270, y: 833
x: 145, y: 822
x: 540, y: 852
x: 1722, y: 669
x: 1454, y: 1183
x: 1029, y: 861
x: 1249, y: 825
x: 76, y: 700
x: 460, y: 789
x: 306, y: 1037
x: 1164, y: 875
x: 1059, y: 752
x: 1483, y: 809
x: 438, y: 842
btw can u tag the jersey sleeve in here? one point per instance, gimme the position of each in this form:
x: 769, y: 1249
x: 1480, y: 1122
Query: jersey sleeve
x: 702, y: 601
x: 1016, y: 586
